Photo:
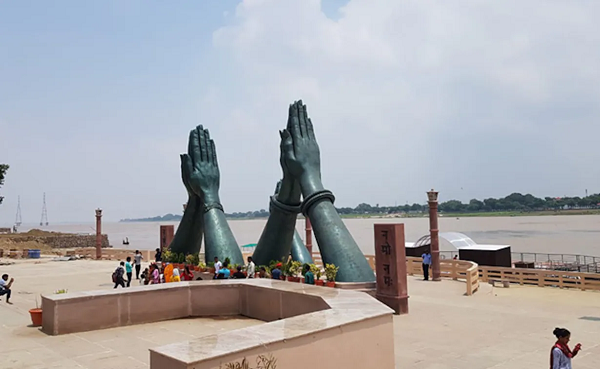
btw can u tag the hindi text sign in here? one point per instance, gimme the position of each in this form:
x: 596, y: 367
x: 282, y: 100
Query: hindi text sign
x: 390, y: 266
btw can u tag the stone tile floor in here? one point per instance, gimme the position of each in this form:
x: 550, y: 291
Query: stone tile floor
x: 23, y: 346
x: 498, y: 328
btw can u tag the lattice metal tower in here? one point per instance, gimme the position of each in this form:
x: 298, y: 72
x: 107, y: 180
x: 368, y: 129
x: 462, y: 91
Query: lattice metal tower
x: 18, y: 219
x: 44, y: 213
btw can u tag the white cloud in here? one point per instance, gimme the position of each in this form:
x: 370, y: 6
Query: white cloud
x: 407, y: 95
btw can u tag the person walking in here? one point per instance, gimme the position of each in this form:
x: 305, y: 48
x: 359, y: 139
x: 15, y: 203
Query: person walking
x: 426, y: 264
x: 561, y: 354
x: 217, y: 266
x: 118, y: 275
x: 128, y: 270
x: 137, y: 258
x: 251, y: 268
x: 5, y: 285
x: 158, y: 255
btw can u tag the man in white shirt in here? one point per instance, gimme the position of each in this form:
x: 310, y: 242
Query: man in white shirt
x: 5, y: 285
x: 218, y: 266
x: 251, y: 268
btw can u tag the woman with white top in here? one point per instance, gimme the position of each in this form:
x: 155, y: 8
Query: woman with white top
x: 561, y: 354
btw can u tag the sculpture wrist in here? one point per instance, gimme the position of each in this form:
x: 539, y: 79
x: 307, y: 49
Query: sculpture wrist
x: 284, y: 208
x: 289, y: 193
x: 211, y: 198
x: 312, y: 200
x: 193, y: 201
x: 212, y: 206
x: 310, y: 184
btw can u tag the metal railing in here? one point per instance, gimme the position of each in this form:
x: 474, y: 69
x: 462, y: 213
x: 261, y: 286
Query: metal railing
x: 563, y: 262
x: 531, y: 257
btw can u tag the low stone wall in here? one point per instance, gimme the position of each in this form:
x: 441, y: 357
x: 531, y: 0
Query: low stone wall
x: 333, y: 328
x: 112, y: 254
x: 64, y: 241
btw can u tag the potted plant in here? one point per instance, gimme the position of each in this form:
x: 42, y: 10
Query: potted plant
x: 189, y: 260
x: 36, y: 315
x: 196, y: 263
x: 294, y: 269
x: 211, y: 267
x: 330, y: 273
x: 201, y: 266
x: 317, y: 272
x: 167, y: 256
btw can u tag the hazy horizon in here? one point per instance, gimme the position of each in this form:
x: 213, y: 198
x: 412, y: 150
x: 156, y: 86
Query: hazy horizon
x: 472, y: 98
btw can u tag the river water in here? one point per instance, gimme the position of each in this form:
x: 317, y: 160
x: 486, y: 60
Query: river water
x: 570, y: 234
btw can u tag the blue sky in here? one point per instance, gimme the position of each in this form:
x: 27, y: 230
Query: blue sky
x: 474, y: 99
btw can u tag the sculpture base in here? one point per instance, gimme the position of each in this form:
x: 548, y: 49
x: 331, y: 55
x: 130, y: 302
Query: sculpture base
x: 397, y: 303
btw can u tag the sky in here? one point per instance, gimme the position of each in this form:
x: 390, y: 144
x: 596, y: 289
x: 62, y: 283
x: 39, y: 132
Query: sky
x: 475, y: 98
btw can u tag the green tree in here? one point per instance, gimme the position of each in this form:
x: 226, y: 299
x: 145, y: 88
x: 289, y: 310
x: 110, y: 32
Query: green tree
x: 3, y: 169
x: 475, y: 205
x: 452, y: 206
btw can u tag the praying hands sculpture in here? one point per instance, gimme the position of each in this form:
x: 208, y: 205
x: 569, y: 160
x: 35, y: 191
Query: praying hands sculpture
x: 301, y: 165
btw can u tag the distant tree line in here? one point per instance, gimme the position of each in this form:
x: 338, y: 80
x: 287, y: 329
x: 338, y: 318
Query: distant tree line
x: 512, y: 202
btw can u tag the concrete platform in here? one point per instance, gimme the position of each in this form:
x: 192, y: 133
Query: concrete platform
x: 495, y: 328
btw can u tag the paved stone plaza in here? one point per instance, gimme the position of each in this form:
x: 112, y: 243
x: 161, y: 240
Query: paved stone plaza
x: 496, y: 328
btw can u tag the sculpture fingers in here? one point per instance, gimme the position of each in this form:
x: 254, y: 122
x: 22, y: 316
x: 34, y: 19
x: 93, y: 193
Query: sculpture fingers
x: 202, y: 142
x: 287, y: 145
x: 194, y: 146
x: 278, y: 187
x: 187, y: 168
x: 207, y: 141
x: 294, y: 123
x: 301, y: 118
x: 311, y: 130
x: 213, y: 153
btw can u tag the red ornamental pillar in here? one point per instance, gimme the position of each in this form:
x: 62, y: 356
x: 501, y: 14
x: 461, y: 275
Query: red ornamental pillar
x: 308, y: 228
x: 432, y: 197
x: 98, y: 234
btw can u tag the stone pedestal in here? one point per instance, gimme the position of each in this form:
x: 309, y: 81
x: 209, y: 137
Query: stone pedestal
x: 390, y: 267
x: 166, y: 236
x: 98, y: 234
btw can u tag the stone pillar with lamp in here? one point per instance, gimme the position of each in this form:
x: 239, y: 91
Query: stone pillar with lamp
x: 98, y: 234
x: 432, y: 201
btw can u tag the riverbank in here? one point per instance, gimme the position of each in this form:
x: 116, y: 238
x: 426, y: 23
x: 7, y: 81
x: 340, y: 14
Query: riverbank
x: 483, y: 214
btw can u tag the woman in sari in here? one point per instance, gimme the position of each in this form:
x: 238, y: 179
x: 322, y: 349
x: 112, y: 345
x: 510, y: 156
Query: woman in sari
x: 155, y: 274
x: 561, y: 354
x: 187, y: 274
x: 175, y: 277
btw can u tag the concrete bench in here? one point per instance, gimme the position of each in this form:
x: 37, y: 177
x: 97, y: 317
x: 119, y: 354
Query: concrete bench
x: 505, y: 282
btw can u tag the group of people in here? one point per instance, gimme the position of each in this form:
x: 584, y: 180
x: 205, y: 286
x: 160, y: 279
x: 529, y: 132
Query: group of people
x: 125, y: 268
x: 222, y: 270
